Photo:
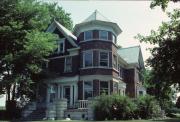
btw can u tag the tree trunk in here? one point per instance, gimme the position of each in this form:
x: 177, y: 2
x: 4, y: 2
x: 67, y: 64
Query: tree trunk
x: 13, y: 91
x: 8, y: 92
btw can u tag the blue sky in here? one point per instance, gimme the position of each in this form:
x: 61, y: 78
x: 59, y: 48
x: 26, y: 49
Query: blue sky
x: 133, y: 17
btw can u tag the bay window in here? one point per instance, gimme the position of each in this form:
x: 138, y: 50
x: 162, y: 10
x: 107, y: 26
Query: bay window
x: 103, y: 35
x: 115, y: 61
x: 113, y: 39
x: 88, y: 59
x: 103, y: 59
x: 88, y: 35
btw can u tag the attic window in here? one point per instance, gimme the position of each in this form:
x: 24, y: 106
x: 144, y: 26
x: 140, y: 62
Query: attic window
x: 61, y: 46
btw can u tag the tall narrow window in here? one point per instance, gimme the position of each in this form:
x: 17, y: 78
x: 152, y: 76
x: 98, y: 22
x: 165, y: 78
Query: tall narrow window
x: 88, y: 59
x: 104, y: 87
x: 103, y: 35
x: 68, y: 64
x: 120, y: 71
x: 103, y: 61
x: 61, y: 46
x: 115, y: 61
x: 113, y: 39
x: 88, y: 35
x: 88, y: 89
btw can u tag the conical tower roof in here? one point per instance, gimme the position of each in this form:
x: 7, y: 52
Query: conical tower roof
x: 96, y: 18
x: 96, y: 15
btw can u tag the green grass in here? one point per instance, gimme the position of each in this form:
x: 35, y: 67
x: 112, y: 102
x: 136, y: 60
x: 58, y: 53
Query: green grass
x: 165, y: 120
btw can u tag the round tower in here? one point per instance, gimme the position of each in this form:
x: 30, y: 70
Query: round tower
x: 97, y: 37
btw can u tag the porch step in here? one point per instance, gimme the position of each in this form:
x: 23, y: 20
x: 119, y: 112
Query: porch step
x: 76, y: 114
x: 37, y: 114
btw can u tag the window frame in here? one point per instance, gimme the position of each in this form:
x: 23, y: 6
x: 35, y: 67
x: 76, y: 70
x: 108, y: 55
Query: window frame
x: 84, y: 52
x: 116, y: 67
x: 89, y: 89
x: 65, y: 64
x: 114, y: 38
x: 85, y: 32
x: 108, y: 89
x: 61, y: 41
x: 103, y: 59
x: 106, y: 33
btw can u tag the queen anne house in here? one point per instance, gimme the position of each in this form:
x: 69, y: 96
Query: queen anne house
x: 86, y: 64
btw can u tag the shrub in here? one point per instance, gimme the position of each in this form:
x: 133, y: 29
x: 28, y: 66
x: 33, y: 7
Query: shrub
x: 147, y: 107
x: 113, y: 106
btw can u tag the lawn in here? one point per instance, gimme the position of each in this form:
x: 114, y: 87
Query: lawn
x: 165, y: 120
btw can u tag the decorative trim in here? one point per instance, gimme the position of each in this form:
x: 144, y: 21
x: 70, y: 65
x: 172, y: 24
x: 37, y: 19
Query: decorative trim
x: 64, y: 56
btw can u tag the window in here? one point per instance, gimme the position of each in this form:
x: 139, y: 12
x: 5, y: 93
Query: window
x: 88, y: 59
x: 120, y: 71
x: 103, y: 59
x: 88, y: 89
x: 140, y: 93
x: 103, y: 35
x: 104, y: 87
x: 88, y: 35
x: 115, y: 61
x: 61, y: 46
x: 113, y: 39
x: 68, y: 64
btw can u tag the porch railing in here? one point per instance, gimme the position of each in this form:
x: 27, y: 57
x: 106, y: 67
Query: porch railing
x: 82, y: 104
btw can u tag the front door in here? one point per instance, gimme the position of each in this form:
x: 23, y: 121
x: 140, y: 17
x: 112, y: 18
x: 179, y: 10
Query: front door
x: 67, y: 94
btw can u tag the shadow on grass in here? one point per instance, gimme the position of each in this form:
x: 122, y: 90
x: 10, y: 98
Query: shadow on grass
x: 168, y: 120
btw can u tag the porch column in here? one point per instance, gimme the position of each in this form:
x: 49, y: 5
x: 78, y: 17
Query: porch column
x: 59, y: 91
x: 48, y: 95
x: 62, y: 96
x: 71, y: 94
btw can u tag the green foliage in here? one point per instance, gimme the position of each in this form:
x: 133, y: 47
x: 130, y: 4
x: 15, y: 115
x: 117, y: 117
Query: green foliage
x: 122, y: 107
x: 165, y: 61
x: 147, y: 107
x: 113, y: 106
x: 24, y: 43
x: 162, y: 3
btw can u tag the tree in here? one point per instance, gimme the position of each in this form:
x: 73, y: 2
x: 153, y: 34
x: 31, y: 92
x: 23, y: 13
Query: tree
x: 24, y: 43
x: 165, y: 60
x: 162, y: 3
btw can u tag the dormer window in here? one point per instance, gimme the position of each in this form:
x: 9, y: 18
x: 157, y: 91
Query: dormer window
x: 88, y: 35
x: 103, y: 35
x: 61, y: 46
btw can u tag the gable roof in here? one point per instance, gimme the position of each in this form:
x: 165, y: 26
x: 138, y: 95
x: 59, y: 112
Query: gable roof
x: 64, y: 31
x: 96, y: 15
x: 132, y: 55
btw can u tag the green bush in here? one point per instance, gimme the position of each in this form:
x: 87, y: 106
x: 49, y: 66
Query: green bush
x: 147, y: 107
x: 113, y: 106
